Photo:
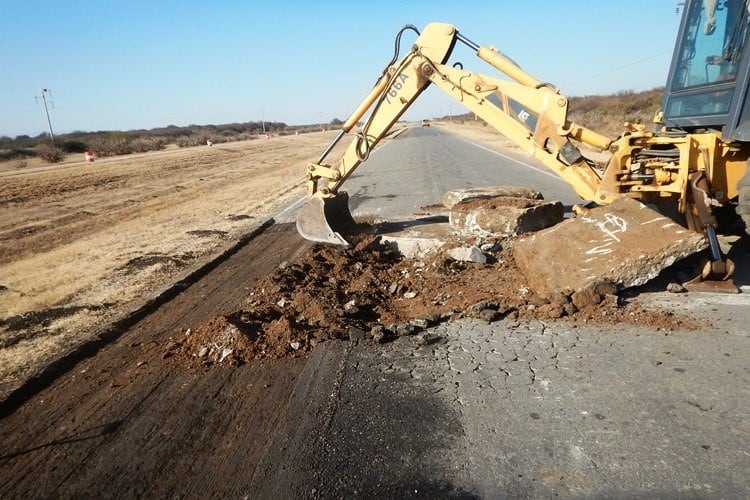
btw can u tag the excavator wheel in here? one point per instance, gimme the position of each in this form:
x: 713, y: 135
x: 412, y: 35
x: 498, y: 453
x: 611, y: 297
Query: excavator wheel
x: 326, y: 219
x: 743, y: 201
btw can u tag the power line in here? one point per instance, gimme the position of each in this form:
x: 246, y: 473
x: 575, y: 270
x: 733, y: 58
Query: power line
x: 619, y: 68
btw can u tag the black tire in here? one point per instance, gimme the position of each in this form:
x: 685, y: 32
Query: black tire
x: 743, y: 198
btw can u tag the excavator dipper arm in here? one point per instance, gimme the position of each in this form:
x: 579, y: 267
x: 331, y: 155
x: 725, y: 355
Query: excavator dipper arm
x: 326, y: 215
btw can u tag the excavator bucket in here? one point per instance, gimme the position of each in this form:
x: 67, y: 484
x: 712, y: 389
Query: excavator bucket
x: 326, y: 219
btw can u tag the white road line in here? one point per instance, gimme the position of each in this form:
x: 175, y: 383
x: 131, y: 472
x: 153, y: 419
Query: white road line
x: 540, y: 170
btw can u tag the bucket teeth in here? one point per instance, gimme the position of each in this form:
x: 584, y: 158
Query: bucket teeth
x: 324, y: 220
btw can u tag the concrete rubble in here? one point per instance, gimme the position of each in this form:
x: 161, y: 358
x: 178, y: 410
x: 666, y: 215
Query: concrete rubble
x: 625, y: 243
x: 452, y: 198
x: 468, y: 254
x: 501, y: 210
x: 413, y: 247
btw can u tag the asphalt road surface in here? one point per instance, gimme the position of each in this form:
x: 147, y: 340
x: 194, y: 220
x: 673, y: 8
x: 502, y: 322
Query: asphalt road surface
x: 502, y: 410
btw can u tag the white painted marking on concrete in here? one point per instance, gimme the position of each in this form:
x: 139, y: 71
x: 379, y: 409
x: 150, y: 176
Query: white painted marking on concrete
x: 657, y: 219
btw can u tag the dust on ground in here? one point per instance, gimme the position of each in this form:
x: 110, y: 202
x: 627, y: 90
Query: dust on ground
x: 369, y: 293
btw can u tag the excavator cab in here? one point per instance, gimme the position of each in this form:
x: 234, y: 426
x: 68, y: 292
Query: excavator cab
x: 708, y: 79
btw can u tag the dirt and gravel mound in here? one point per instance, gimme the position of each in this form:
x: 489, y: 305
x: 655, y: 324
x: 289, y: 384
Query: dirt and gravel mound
x: 370, y: 293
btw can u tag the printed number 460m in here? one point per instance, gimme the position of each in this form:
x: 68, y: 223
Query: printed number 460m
x: 395, y: 88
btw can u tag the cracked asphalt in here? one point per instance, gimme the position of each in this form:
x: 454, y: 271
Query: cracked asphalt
x: 520, y: 410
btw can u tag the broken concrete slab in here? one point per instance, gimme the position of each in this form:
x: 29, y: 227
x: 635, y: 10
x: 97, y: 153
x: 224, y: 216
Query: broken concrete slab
x: 503, y: 215
x: 625, y: 243
x: 468, y: 254
x: 413, y: 247
x: 451, y: 198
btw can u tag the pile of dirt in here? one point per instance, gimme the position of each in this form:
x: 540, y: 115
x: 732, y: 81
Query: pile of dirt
x: 370, y: 293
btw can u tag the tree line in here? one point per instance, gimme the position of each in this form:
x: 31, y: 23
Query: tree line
x: 110, y: 143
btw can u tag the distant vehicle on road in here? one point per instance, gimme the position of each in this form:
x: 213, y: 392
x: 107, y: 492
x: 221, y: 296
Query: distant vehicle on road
x: 425, y: 123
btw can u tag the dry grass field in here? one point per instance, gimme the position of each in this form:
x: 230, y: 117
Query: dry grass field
x: 82, y: 243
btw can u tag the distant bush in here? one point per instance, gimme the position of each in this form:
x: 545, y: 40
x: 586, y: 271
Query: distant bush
x: 145, y: 144
x: 187, y: 141
x: 608, y: 114
x: 110, y: 145
x: 51, y: 154
x: 73, y: 146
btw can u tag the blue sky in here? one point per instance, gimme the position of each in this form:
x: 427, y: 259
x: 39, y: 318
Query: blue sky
x: 122, y: 65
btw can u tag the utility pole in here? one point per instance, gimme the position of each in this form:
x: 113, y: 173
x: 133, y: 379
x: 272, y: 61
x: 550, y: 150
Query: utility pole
x: 46, y: 112
x: 263, y: 119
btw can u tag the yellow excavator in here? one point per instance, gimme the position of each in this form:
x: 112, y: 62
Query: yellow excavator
x: 693, y: 167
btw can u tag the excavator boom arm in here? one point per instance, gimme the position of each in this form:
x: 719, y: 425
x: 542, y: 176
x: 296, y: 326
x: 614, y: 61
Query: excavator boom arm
x: 527, y: 111
x: 397, y: 88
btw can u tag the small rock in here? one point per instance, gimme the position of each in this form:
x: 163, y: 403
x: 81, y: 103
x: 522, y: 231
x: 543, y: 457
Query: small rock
x: 491, y: 247
x: 536, y: 300
x: 420, y: 323
x: 410, y: 295
x: 552, y: 311
x: 605, y: 288
x: 480, y: 306
x: 489, y: 315
x: 585, y: 297
x: 283, y: 302
x: 676, y: 288
x: 295, y: 345
x: 441, y: 299
x: 203, y: 352
x: 468, y: 254
x: 610, y: 300
x: 570, y: 309
x: 425, y: 338
x: 403, y: 330
x: 356, y: 334
x: 225, y: 353
x: 559, y: 298
x: 379, y: 334
x: 351, y: 307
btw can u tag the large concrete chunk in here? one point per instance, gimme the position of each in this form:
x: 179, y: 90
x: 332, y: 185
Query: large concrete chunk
x: 413, y: 247
x: 505, y: 215
x: 625, y: 243
x: 451, y: 198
